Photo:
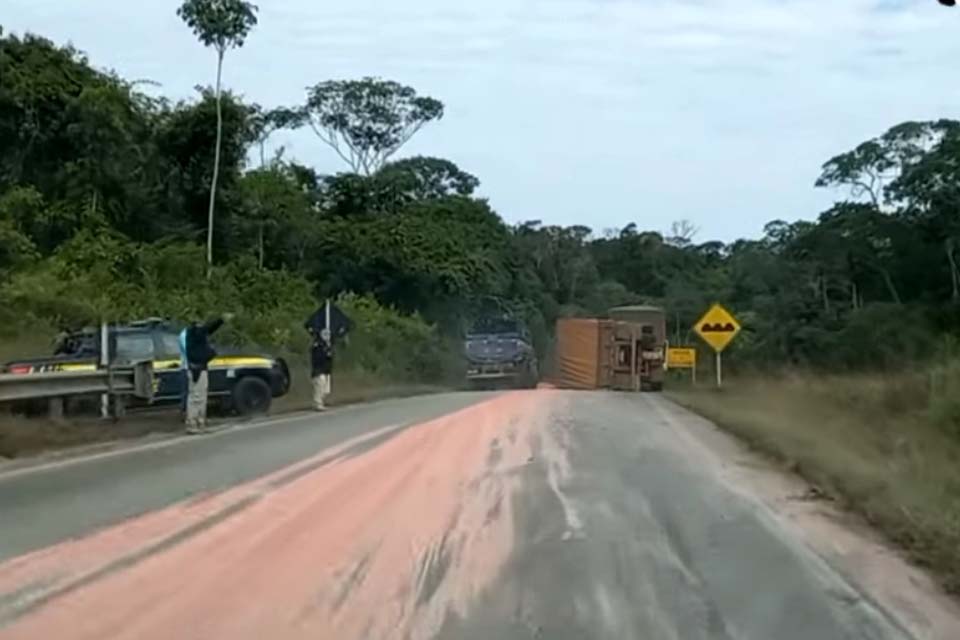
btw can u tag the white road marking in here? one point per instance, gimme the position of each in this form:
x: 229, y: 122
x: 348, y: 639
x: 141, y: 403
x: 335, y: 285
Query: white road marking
x: 153, y: 446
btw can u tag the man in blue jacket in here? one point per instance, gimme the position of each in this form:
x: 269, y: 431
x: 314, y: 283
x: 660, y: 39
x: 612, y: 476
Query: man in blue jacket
x: 185, y: 382
x: 199, y: 353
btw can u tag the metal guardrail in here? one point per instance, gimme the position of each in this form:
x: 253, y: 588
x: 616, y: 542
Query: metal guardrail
x: 135, y: 380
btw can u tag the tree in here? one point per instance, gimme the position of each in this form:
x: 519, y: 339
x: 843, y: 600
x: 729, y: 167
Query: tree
x: 929, y: 189
x: 682, y: 233
x: 424, y: 178
x: 862, y: 169
x: 871, y: 166
x: 266, y: 123
x: 367, y: 121
x: 223, y: 25
x: 395, y: 186
x: 185, y: 141
x: 275, y: 216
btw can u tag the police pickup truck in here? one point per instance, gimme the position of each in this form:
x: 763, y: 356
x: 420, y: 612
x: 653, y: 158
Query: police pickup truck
x: 246, y: 383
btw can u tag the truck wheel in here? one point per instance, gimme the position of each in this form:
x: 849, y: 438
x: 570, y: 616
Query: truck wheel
x: 251, y: 396
x: 534, y: 376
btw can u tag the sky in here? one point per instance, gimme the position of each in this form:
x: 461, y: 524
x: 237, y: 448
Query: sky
x: 593, y: 112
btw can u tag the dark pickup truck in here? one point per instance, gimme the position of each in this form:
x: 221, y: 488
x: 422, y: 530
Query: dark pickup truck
x: 499, y: 353
x: 245, y: 382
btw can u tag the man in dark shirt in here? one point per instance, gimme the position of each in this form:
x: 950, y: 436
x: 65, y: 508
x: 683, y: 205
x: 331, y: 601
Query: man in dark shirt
x: 321, y: 367
x: 199, y: 353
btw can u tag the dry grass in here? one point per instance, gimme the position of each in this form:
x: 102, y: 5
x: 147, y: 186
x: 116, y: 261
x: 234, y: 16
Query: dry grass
x: 24, y: 437
x: 878, y: 443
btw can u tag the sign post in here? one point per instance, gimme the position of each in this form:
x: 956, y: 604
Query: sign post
x: 718, y: 328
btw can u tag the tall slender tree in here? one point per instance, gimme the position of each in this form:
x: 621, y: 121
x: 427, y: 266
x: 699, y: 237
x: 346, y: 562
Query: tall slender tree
x: 223, y: 25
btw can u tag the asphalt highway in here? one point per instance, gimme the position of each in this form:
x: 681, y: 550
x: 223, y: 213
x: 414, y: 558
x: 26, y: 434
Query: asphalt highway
x: 529, y: 514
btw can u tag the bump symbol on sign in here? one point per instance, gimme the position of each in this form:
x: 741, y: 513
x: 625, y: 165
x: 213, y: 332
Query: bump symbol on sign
x: 717, y: 328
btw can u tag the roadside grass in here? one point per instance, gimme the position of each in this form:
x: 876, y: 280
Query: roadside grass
x: 24, y: 437
x: 886, y: 446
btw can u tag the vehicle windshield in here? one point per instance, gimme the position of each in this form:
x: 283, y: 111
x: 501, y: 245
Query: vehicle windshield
x: 495, y: 326
x: 76, y: 344
x: 134, y: 346
x: 169, y: 345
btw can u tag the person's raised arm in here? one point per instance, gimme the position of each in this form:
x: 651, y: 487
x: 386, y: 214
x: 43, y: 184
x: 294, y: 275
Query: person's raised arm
x: 216, y: 323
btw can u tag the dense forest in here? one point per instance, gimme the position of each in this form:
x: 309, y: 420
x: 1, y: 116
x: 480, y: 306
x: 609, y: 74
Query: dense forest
x: 105, y: 212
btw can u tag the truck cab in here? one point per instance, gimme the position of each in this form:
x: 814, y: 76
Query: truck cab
x: 500, y: 354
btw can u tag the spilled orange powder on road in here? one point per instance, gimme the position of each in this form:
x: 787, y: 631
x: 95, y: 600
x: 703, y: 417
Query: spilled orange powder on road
x: 380, y: 545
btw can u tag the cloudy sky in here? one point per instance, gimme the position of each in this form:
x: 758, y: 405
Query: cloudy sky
x: 596, y: 112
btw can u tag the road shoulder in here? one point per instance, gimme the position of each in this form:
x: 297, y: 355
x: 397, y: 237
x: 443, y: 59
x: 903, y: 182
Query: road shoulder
x: 842, y: 539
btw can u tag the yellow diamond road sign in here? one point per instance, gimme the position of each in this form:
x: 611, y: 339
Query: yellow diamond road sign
x: 717, y: 327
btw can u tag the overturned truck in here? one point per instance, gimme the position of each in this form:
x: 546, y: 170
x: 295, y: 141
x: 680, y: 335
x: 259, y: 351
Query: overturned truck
x: 624, y: 352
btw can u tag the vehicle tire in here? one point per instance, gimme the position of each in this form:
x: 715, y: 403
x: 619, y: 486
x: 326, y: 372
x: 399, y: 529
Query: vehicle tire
x: 656, y: 387
x: 251, y: 396
x: 285, y: 384
x: 534, y: 376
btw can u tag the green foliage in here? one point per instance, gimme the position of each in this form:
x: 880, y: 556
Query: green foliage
x: 438, y: 257
x: 92, y: 278
x: 422, y: 178
x: 367, y: 121
x: 394, y: 346
x: 222, y: 24
x: 16, y: 250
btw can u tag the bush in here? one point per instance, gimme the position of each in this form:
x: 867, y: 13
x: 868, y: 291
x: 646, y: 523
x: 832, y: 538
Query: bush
x: 885, y: 336
x: 108, y: 277
x: 389, y: 345
x: 104, y: 276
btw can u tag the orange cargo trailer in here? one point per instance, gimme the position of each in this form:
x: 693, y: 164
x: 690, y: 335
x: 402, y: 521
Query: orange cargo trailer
x: 578, y: 348
x: 592, y: 353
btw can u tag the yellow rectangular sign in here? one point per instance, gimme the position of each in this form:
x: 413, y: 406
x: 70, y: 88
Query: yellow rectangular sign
x: 681, y: 358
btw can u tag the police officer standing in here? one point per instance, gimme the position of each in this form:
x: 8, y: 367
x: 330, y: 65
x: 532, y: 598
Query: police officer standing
x: 199, y: 353
x: 326, y: 324
x: 321, y: 367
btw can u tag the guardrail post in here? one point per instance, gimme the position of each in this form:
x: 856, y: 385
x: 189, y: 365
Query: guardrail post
x: 105, y: 364
x: 119, y: 407
x: 143, y: 377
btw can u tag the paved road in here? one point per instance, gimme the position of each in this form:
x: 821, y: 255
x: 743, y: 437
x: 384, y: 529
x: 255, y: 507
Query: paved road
x: 541, y: 514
